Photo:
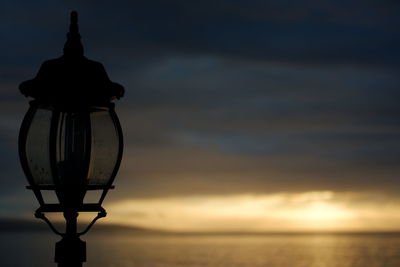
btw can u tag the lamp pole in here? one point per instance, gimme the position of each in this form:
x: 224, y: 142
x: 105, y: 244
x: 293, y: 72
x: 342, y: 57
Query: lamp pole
x: 71, y: 141
x: 70, y: 250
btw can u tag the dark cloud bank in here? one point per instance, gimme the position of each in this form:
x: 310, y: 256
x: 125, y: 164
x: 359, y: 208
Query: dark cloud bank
x: 227, y: 96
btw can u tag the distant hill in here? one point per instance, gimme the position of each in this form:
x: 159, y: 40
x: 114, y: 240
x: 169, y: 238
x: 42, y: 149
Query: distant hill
x: 20, y: 225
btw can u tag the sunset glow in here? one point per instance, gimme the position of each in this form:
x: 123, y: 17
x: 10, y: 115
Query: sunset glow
x: 309, y: 211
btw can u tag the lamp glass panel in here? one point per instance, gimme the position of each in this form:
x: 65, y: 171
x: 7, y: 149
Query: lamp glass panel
x: 104, y: 147
x: 38, y: 147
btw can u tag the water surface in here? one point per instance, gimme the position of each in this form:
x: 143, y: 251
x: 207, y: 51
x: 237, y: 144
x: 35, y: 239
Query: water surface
x: 126, y: 250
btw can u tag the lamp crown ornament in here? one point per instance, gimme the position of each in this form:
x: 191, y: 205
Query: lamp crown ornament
x: 72, y: 78
x: 73, y: 46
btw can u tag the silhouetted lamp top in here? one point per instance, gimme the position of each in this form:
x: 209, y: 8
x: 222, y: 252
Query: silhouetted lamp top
x: 71, y: 140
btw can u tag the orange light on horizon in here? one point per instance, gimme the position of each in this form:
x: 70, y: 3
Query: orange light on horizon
x: 308, y: 211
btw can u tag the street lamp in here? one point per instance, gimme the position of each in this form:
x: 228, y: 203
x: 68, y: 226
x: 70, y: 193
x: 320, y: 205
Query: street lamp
x: 70, y: 140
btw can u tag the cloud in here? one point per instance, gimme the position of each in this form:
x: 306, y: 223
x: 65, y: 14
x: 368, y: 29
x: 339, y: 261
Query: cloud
x: 227, y: 97
x: 205, y: 125
x: 355, y: 32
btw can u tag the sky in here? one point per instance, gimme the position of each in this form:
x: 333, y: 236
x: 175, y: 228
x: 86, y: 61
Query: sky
x: 238, y: 115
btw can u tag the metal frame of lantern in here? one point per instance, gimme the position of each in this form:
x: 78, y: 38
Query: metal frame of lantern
x: 59, y: 207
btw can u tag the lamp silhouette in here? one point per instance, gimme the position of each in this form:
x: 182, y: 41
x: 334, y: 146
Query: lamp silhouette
x: 71, y: 140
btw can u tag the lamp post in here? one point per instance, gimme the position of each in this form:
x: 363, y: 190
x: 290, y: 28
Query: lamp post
x: 70, y: 140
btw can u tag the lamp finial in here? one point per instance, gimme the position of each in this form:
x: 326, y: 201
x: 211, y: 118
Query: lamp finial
x: 73, y: 46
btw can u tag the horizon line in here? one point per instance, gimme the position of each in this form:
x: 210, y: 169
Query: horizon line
x: 11, y: 224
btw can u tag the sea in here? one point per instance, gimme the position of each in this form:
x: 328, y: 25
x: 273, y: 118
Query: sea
x: 118, y: 249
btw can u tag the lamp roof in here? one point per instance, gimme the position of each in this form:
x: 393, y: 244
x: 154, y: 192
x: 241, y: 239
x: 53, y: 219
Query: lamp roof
x: 72, y: 78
